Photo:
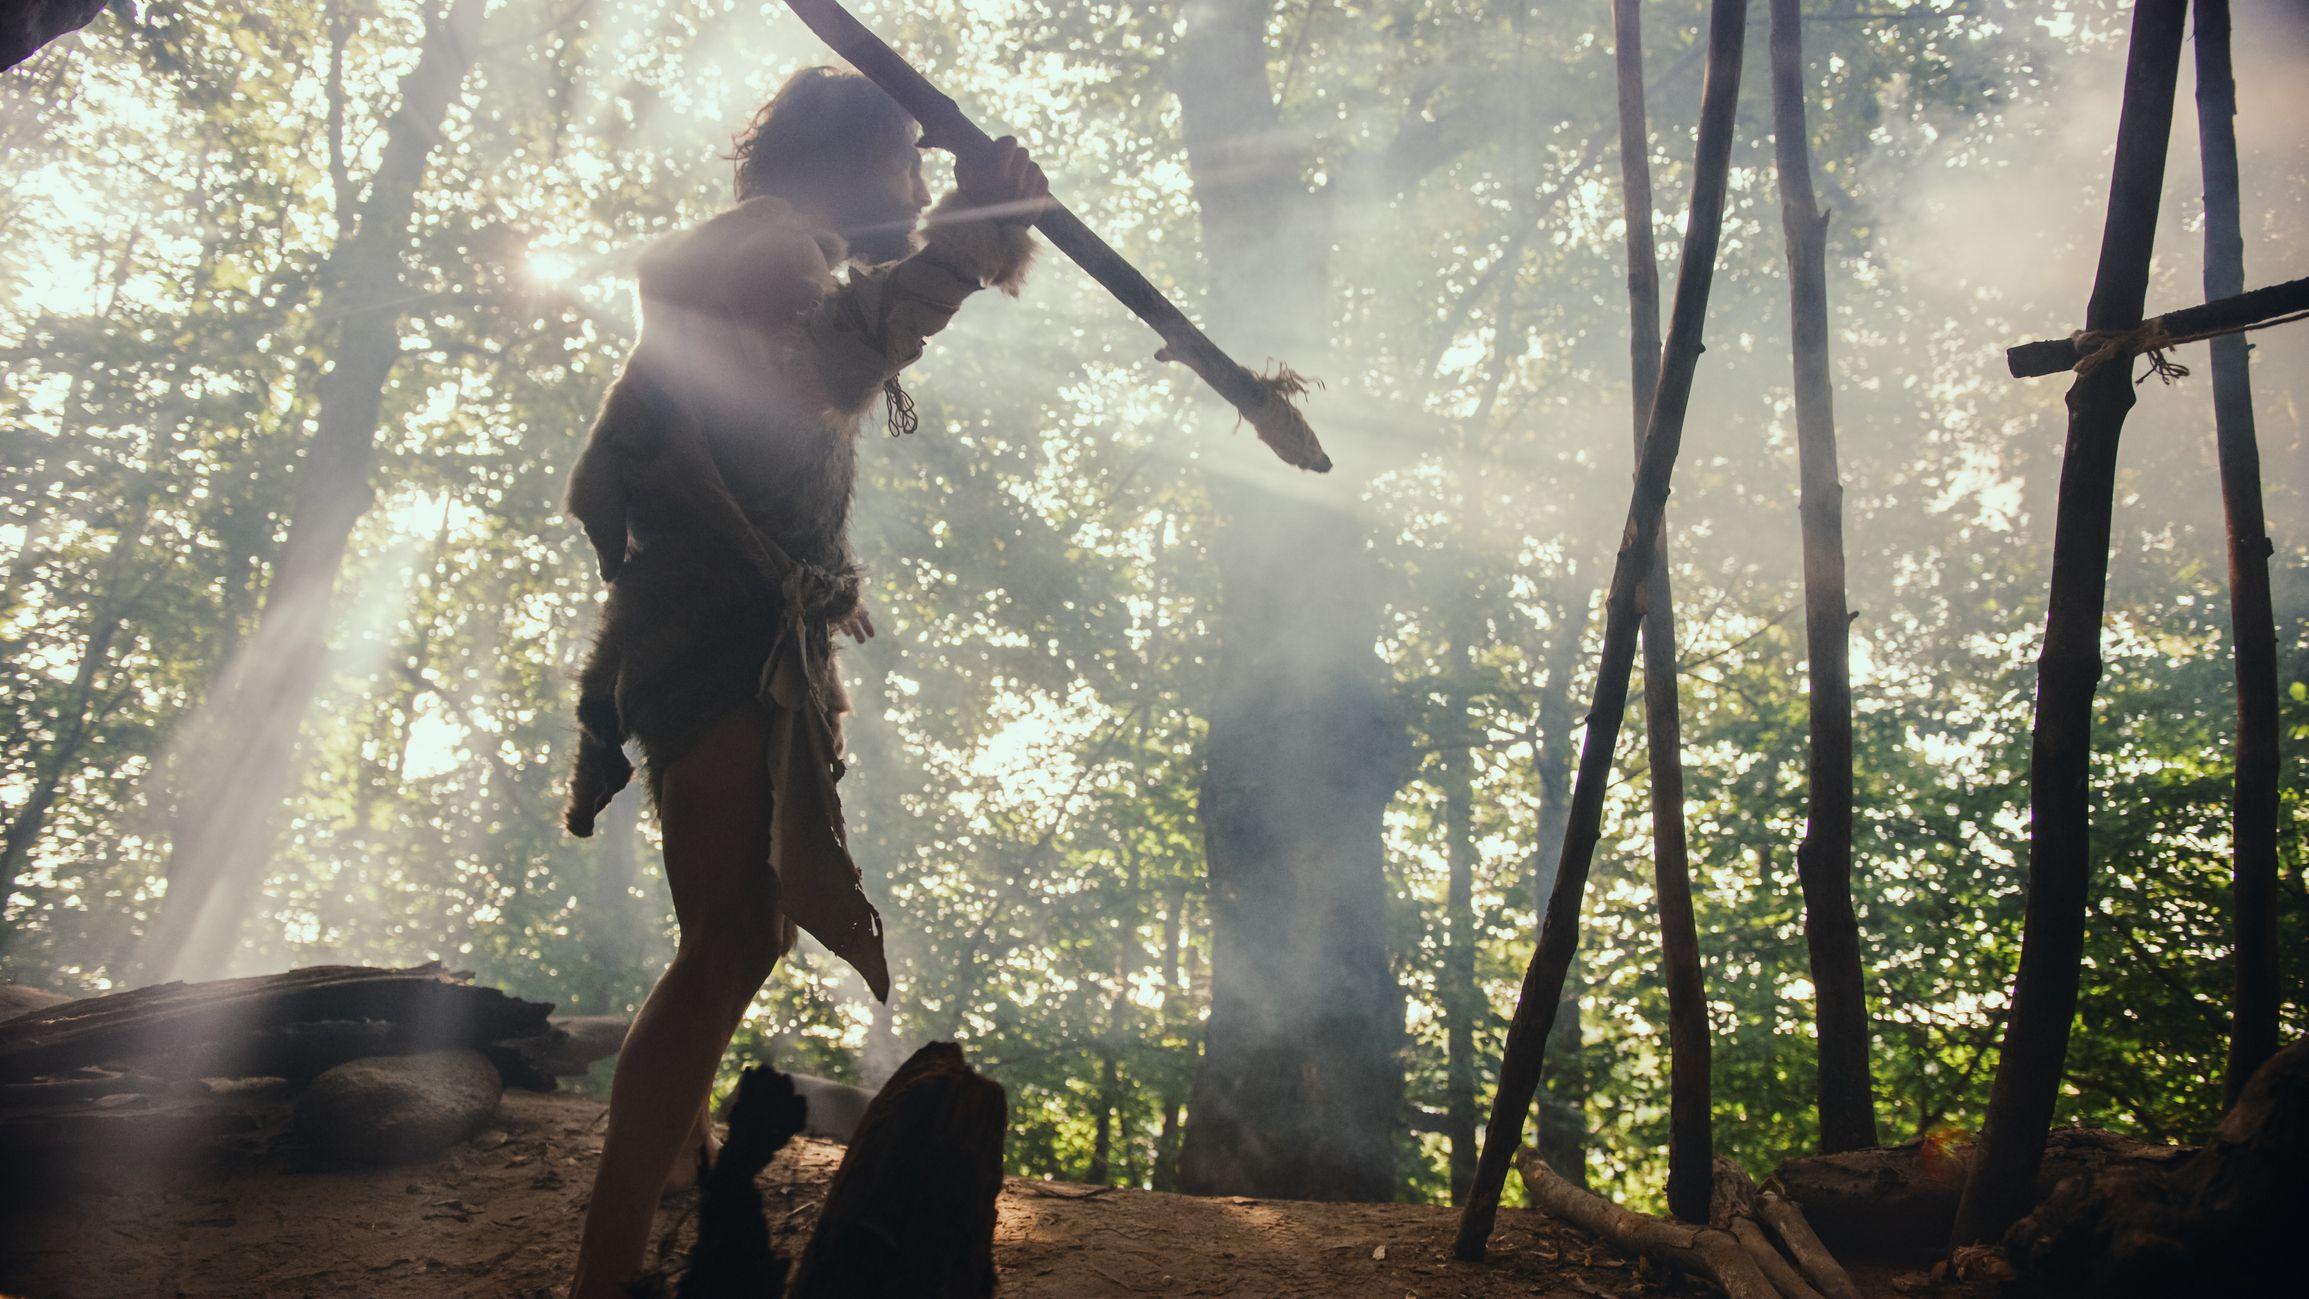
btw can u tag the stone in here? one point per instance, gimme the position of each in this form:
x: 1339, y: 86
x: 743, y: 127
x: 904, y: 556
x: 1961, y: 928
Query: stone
x: 390, y: 1109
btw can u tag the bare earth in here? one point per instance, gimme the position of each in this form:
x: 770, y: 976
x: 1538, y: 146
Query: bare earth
x: 498, y: 1218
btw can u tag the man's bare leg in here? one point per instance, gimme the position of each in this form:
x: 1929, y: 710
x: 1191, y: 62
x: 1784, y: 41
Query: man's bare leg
x: 714, y: 806
x: 702, y: 1143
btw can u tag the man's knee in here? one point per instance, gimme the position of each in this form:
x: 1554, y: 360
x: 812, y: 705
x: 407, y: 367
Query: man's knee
x: 736, y: 952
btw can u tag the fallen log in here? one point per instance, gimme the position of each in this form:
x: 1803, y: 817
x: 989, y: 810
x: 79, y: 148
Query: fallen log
x: 20, y: 999
x: 1897, y: 1204
x: 910, y: 1211
x: 2271, y: 305
x: 1798, y: 1264
x: 1710, y: 1253
x: 427, y: 1007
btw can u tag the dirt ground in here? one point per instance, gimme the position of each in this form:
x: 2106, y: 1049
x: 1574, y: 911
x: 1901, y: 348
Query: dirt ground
x: 497, y: 1218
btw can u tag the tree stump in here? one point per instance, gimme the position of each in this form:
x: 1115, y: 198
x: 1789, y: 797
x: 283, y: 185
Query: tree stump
x: 733, y: 1258
x: 911, y: 1209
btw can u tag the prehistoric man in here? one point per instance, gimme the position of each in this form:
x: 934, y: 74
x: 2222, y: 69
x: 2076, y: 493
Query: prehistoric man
x: 715, y: 488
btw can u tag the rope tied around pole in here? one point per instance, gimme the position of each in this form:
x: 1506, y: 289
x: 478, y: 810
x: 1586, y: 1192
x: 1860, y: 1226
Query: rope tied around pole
x: 2152, y: 338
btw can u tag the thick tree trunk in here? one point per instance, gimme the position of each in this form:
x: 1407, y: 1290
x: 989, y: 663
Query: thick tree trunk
x: 2044, y: 992
x: 1299, y: 1092
x: 1524, y: 1058
x: 242, y: 766
x: 2252, y: 624
x: 1691, y: 1144
x: 1824, y: 859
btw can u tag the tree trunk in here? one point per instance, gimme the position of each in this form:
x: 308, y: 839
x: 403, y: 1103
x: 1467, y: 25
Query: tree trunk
x: 109, y: 612
x: 1847, y: 1106
x: 1691, y: 1145
x: 241, y: 766
x: 1561, y: 1118
x: 2044, y: 993
x: 1167, y: 1141
x: 1524, y: 1058
x: 2252, y: 624
x: 1462, y: 1001
x: 1299, y: 1092
x: 1100, y: 1172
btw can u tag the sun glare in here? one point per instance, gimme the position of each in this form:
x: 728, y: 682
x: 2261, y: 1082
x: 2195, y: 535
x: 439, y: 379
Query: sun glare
x: 552, y: 266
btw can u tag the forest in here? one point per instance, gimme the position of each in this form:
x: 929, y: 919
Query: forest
x: 1173, y: 770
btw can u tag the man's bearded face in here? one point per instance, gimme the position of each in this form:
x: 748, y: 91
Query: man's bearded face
x: 882, y: 204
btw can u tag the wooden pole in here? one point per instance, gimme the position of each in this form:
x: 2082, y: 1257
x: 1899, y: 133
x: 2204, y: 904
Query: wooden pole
x: 1524, y: 1057
x: 2004, y: 1165
x: 1847, y: 1108
x: 2252, y: 625
x: 1691, y: 1144
x: 2268, y: 304
x: 1265, y: 402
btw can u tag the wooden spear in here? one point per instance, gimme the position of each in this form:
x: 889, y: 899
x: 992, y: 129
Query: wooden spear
x: 1266, y: 401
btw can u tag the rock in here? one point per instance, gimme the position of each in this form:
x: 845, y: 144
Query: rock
x: 389, y: 1109
x: 835, y: 1107
x: 22, y: 999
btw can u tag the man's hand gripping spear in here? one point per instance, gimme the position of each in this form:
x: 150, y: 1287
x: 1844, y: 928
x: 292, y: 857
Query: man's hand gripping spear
x: 1265, y: 401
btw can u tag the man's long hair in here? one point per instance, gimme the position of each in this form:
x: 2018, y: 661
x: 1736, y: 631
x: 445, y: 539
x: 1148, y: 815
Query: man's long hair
x: 821, y: 119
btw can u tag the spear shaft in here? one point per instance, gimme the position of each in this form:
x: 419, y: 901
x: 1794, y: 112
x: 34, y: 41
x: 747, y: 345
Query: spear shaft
x: 1265, y: 402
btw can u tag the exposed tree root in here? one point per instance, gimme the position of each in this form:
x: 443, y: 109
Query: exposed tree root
x: 1755, y: 1245
x: 2225, y: 1221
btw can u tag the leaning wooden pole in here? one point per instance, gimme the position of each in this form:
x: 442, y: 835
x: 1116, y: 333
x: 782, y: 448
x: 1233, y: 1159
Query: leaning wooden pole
x: 2252, y: 625
x: 1524, y: 1057
x: 1264, y: 401
x: 1847, y: 1107
x: 1691, y: 1144
x: 2002, y: 1182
